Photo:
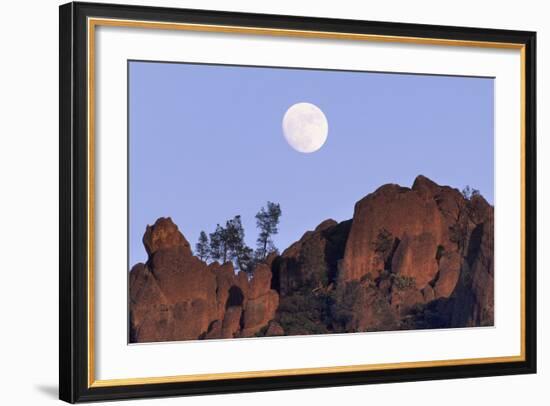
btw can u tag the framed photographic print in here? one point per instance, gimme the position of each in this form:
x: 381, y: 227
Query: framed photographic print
x: 256, y: 202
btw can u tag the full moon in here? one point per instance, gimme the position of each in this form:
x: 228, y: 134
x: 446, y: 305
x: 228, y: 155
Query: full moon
x: 305, y: 127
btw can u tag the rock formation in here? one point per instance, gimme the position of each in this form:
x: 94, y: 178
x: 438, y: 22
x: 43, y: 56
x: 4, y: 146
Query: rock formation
x: 419, y: 257
x: 175, y: 296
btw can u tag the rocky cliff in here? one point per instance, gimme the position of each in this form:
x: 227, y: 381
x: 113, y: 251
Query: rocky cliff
x: 175, y: 296
x: 419, y: 257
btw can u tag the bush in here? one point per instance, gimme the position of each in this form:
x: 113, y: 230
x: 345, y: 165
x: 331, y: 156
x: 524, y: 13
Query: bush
x: 383, y: 242
x: 402, y: 282
x: 367, y: 279
x: 303, y: 313
x: 343, y: 303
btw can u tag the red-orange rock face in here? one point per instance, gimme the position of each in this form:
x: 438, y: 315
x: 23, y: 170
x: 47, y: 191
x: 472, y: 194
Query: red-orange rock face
x: 415, y: 257
x: 259, y: 312
x: 231, y: 322
x: 225, y: 286
x: 181, y: 276
x: 449, y: 272
x: 401, y: 212
x: 260, y: 284
x: 162, y: 235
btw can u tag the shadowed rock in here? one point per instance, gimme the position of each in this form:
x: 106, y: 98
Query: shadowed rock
x: 313, y: 260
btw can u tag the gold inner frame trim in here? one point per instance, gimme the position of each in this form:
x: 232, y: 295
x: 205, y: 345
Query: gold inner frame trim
x: 94, y: 22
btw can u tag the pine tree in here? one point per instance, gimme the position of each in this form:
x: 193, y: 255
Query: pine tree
x: 202, y: 248
x: 227, y: 244
x: 239, y: 253
x: 267, y: 220
x: 218, y: 244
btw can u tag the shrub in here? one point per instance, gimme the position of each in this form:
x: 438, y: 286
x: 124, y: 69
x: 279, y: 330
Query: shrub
x: 342, y: 305
x: 368, y: 279
x: 304, y: 313
x: 402, y: 282
x: 383, y: 243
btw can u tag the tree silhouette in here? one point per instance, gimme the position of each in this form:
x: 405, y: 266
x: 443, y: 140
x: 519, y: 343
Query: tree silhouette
x: 227, y: 244
x: 238, y: 251
x: 267, y: 220
x: 218, y: 244
x: 202, y: 248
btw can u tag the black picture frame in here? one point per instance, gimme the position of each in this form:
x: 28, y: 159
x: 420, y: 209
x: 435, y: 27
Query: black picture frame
x: 74, y: 385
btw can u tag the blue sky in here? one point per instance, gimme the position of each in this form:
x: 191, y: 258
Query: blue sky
x: 206, y: 143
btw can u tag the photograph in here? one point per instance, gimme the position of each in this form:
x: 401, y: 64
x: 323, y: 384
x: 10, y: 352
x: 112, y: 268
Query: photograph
x: 258, y: 201
x: 283, y: 201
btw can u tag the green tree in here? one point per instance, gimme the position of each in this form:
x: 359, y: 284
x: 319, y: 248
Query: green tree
x: 267, y: 220
x: 202, y: 248
x: 244, y: 259
x: 383, y: 246
x: 238, y: 251
x: 227, y: 244
x: 383, y: 242
x: 218, y: 244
